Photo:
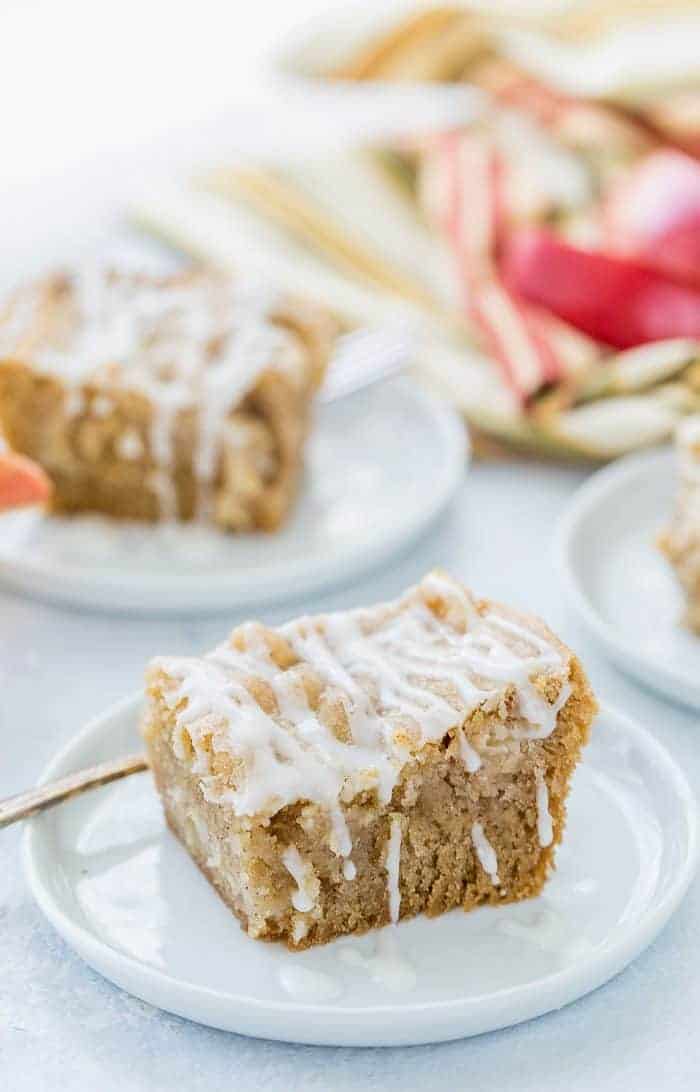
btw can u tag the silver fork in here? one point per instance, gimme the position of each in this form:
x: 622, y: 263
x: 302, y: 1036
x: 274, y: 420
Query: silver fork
x: 363, y: 358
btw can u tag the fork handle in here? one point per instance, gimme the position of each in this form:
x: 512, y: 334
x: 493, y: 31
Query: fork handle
x: 14, y: 808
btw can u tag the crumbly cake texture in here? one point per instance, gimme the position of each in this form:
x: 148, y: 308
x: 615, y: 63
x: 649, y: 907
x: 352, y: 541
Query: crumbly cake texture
x: 348, y: 770
x: 150, y: 398
x: 681, y: 541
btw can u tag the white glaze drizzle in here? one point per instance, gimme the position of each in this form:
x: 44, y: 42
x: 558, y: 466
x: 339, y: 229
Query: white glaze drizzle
x: 129, y: 445
x: 190, y: 343
x: 485, y: 853
x: 393, y: 864
x: 548, y: 929
x: 545, y: 830
x: 74, y: 402
x: 386, y: 965
x: 301, y: 871
x: 349, y: 869
x: 470, y: 757
x: 387, y: 668
x: 101, y: 406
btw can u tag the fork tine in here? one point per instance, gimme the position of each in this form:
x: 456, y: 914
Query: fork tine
x: 363, y: 358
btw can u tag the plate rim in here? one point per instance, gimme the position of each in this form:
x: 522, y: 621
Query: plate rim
x: 600, y: 966
x: 105, y: 592
x: 597, y: 488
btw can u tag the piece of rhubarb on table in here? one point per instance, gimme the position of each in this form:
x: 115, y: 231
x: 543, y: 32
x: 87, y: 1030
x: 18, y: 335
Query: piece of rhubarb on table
x: 617, y: 300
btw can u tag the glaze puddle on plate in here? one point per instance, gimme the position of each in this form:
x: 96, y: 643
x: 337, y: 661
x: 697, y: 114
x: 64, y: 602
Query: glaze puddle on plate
x: 127, y: 897
x: 364, y: 497
x: 619, y: 582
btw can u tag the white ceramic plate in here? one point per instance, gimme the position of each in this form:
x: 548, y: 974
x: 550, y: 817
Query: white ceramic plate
x: 381, y: 465
x: 125, y: 895
x: 620, y: 584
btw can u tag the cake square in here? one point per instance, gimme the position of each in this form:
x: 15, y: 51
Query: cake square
x: 155, y: 398
x: 681, y: 541
x: 344, y: 771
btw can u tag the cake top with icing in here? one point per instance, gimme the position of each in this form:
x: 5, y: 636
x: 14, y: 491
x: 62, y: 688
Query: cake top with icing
x: 325, y: 707
x: 190, y: 335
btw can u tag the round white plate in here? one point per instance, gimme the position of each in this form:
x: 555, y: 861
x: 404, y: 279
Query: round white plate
x: 125, y: 895
x: 621, y: 585
x: 381, y: 465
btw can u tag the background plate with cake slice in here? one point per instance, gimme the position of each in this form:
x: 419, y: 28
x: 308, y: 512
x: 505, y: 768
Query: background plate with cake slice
x: 175, y: 415
x: 628, y: 548
x: 356, y: 508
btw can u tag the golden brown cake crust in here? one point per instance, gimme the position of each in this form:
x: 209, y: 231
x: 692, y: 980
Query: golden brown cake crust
x: 446, y: 813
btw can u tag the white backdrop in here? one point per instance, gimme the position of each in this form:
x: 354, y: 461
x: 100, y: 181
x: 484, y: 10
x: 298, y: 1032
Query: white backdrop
x: 97, y: 96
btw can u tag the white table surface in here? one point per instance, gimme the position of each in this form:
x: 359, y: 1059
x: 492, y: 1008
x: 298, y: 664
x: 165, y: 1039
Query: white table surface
x: 64, y: 1028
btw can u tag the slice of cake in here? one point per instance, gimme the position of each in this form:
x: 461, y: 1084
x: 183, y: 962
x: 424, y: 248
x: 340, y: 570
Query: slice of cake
x: 152, y: 398
x: 348, y: 770
x: 681, y: 541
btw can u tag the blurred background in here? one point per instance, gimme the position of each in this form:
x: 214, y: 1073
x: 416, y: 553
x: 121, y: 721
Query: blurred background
x: 121, y: 115
x: 99, y: 97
